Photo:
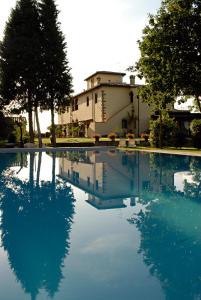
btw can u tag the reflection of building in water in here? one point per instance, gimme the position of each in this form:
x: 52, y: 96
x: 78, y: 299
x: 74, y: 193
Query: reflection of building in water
x: 110, y: 177
x: 107, y: 177
x: 106, y: 203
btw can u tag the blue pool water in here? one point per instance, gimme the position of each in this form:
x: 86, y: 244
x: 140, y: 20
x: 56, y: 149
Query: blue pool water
x: 100, y: 225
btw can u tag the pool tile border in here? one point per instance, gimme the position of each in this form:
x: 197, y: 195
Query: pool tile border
x: 58, y: 149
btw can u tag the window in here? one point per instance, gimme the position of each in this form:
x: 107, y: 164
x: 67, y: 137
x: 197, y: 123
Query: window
x: 98, y: 80
x: 76, y: 104
x: 97, y: 185
x: 96, y: 98
x: 87, y: 101
x: 88, y: 181
x: 73, y: 106
x: 131, y: 97
x: 124, y: 124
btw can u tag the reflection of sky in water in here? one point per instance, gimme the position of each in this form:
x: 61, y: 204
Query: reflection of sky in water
x: 45, y: 171
x: 150, y: 249
x: 179, y: 179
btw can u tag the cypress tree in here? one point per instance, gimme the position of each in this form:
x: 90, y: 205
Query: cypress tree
x: 20, y: 59
x: 56, y: 78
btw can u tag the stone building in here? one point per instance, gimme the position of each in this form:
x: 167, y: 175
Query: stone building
x: 107, y: 105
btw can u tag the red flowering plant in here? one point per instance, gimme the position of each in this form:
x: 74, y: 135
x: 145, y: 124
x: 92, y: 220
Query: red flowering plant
x: 112, y: 136
x: 130, y: 135
x: 97, y: 137
x: 145, y: 136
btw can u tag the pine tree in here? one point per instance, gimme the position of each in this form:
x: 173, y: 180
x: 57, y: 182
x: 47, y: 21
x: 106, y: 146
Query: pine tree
x: 20, y: 59
x: 56, y: 80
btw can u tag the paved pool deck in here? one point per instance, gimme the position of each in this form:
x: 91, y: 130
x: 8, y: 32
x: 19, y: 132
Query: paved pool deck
x: 166, y: 151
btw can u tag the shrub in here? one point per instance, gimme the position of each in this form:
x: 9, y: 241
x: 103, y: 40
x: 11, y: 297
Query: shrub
x: 12, y: 138
x: 179, y: 136
x: 25, y: 139
x: 167, y: 131
x: 196, y: 132
x: 6, y: 125
x: 47, y: 134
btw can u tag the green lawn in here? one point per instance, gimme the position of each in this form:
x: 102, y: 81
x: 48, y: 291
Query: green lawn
x: 67, y: 140
x: 74, y: 140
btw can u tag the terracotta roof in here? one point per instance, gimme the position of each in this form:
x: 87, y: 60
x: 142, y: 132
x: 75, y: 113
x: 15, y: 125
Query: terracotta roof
x: 105, y: 72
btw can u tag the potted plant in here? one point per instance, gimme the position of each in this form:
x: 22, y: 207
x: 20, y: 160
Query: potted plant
x: 145, y: 136
x: 130, y: 135
x: 97, y: 137
x: 112, y: 136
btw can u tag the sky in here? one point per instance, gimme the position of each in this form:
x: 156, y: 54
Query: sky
x: 101, y: 35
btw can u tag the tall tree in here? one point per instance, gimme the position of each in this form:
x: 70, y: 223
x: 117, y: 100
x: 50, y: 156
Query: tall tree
x: 20, y: 59
x: 170, y: 50
x: 57, y: 80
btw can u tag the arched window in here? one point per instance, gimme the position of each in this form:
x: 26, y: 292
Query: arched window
x: 131, y: 97
x: 87, y: 101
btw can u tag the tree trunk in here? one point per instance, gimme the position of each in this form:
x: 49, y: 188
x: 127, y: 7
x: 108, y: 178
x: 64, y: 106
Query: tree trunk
x: 198, y: 102
x: 38, y: 127
x: 21, y: 136
x: 30, y: 114
x: 160, y: 131
x: 53, y: 131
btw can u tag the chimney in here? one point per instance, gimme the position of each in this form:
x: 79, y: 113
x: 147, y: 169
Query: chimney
x: 132, y: 79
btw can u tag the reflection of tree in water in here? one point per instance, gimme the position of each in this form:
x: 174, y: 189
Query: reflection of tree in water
x: 36, y: 223
x: 193, y: 189
x: 7, y: 160
x: 171, y: 244
x: 163, y: 168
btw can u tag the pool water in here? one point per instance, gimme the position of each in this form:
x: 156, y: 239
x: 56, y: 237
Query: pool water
x: 100, y: 225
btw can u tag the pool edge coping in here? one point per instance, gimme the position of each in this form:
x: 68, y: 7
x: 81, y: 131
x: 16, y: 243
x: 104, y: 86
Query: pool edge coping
x: 97, y: 148
x: 163, y: 151
x: 56, y: 149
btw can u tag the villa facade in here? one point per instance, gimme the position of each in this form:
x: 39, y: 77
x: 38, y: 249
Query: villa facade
x: 107, y: 105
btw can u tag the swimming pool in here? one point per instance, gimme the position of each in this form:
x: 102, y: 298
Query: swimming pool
x: 100, y: 225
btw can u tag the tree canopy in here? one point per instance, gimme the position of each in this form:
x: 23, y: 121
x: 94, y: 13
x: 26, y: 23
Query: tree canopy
x: 34, y: 68
x: 171, y: 51
x: 21, y: 57
x: 56, y: 78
